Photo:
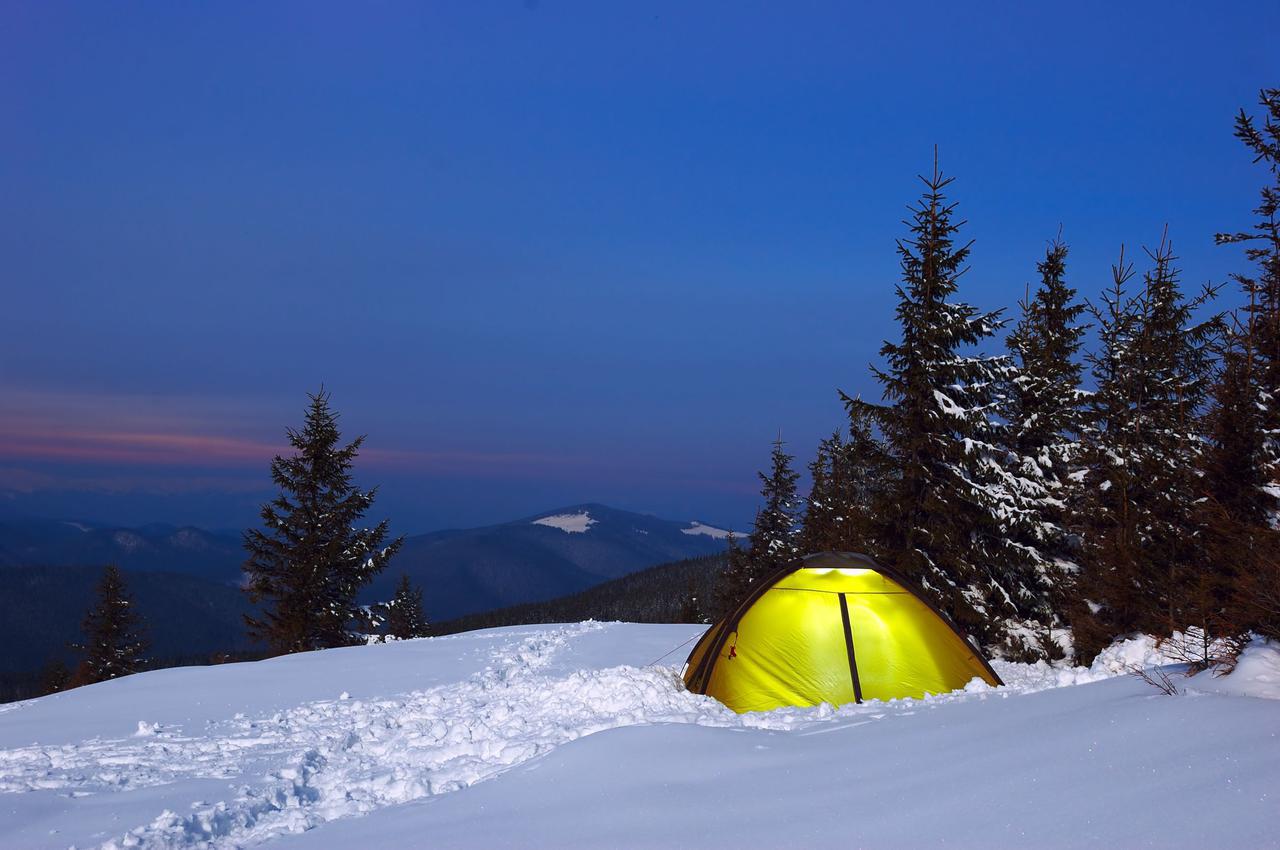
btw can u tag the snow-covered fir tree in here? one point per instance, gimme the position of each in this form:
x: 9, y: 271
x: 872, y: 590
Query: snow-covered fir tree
x: 1260, y: 331
x: 1242, y: 462
x: 1142, y: 546
x: 405, y: 616
x: 113, y: 634
x: 310, y: 559
x: 775, y: 536
x: 1044, y: 416
x: 954, y: 503
x: 774, y: 540
x: 823, y: 509
x: 846, y: 474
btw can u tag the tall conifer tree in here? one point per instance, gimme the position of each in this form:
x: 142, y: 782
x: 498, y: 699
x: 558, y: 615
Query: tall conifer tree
x: 310, y: 559
x: 1045, y: 415
x: 1259, y: 334
x: 1242, y: 468
x: 1143, y: 545
x: 950, y: 508
x: 114, y: 642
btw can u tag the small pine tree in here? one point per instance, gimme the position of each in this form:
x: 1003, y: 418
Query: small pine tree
x: 774, y: 540
x: 310, y: 560
x: 54, y: 677
x: 405, y: 616
x: 691, y: 606
x: 848, y: 477
x: 112, y: 629
x: 733, y: 583
x: 775, y: 537
x: 821, y: 511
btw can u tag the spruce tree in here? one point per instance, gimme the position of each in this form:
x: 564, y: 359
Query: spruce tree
x: 310, y: 559
x: 952, y: 502
x: 774, y: 540
x: 405, y: 616
x: 1045, y: 416
x: 112, y: 629
x: 775, y: 536
x: 1242, y: 468
x: 733, y: 583
x: 1258, y: 334
x: 1142, y: 542
x: 691, y: 607
x: 847, y: 475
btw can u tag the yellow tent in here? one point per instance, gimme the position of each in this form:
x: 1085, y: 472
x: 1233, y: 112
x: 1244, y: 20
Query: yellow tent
x: 836, y: 627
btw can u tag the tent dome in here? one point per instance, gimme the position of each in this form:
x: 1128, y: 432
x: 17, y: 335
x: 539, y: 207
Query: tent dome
x: 836, y: 627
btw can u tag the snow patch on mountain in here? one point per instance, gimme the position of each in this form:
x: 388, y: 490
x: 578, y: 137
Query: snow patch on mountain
x: 706, y: 530
x: 569, y: 523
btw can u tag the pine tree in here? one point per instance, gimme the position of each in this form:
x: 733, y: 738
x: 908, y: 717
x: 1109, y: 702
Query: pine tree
x: 1142, y: 542
x: 54, y: 677
x: 950, y: 511
x: 847, y: 475
x: 1045, y: 416
x: 310, y: 560
x: 691, y: 608
x: 405, y: 616
x: 114, y: 644
x: 1242, y: 468
x: 734, y: 581
x: 1261, y: 325
x: 775, y: 536
x: 774, y: 540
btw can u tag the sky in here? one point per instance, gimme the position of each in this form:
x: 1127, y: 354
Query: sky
x: 548, y: 252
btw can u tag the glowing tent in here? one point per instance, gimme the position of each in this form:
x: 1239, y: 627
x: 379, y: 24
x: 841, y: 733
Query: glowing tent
x: 837, y: 627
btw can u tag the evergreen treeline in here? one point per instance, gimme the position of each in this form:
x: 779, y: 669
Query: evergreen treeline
x: 1027, y: 504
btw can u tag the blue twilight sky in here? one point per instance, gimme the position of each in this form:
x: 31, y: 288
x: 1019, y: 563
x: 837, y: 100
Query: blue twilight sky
x: 547, y: 252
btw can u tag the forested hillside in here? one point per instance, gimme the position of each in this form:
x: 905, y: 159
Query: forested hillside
x: 669, y: 593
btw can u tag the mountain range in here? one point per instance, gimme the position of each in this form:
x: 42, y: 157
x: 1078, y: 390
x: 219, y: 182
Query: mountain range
x: 186, y: 578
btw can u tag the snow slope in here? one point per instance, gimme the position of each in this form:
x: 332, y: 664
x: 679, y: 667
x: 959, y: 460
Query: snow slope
x: 489, y: 739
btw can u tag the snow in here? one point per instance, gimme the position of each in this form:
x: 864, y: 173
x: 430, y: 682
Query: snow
x: 710, y: 531
x: 1257, y: 674
x: 572, y: 736
x: 569, y: 523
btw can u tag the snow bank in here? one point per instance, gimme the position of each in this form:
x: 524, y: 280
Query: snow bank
x: 504, y: 700
x: 1256, y: 674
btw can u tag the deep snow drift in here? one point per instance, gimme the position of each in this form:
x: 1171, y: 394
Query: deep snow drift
x: 472, y: 740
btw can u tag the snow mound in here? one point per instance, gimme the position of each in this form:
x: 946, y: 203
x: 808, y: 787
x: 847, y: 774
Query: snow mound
x: 568, y: 523
x: 698, y: 528
x: 1256, y: 674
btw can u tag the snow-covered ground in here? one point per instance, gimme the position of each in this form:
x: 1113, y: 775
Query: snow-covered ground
x: 488, y: 739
